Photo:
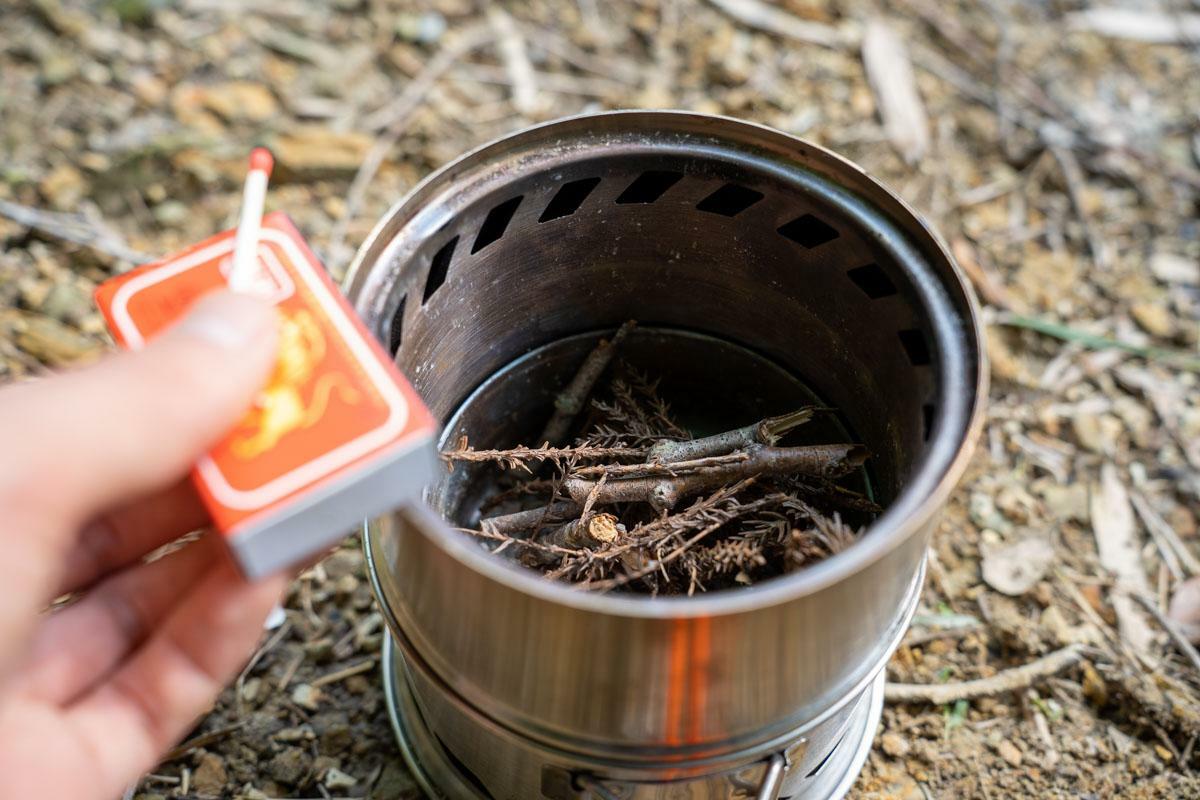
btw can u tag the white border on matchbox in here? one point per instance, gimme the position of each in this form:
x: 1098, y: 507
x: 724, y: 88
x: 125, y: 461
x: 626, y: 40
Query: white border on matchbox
x: 313, y: 470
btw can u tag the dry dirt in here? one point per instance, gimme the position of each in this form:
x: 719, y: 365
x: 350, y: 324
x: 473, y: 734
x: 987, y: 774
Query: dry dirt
x: 1062, y: 165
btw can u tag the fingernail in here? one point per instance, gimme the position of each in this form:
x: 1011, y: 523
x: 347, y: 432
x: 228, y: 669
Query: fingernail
x: 228, y: 320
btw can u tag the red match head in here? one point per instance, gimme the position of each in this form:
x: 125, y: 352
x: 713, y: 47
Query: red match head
x: 260, y: 159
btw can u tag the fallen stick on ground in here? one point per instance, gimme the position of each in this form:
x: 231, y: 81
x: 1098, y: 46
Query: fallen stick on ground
x: 73, y: 228
x: 1181, y: 641
x: 1010, y: 680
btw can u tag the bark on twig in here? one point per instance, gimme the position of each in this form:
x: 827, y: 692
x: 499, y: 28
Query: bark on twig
x: 591, y: 531
x: 523, y: 521
x: 825, y: 460
x: 517, y: 456
x: 645, y: 469
x: 767, y: 431
x: 1009, y: 680
x: 574, y: 397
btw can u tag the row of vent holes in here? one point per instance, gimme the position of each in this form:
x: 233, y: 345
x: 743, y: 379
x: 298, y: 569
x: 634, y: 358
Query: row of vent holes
x: 729, y: 200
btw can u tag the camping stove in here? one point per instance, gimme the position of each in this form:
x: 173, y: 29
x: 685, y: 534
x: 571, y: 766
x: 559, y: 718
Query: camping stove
x: 764, y: 271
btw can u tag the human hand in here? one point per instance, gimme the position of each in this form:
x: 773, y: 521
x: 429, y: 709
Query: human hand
x: 92, y: 478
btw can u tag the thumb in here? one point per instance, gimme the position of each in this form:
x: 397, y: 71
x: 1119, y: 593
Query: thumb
x: 136, y: 422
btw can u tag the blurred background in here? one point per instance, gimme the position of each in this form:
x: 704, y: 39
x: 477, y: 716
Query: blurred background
x: 1054, y: 145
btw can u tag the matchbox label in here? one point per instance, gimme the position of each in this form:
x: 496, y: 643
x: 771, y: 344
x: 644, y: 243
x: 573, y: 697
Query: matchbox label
x: 333, y: 401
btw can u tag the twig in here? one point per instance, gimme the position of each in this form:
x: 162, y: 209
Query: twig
x: 1161, y: 530
x: 1164, y: 355
x: 915, y: 638
x: 765, y: 17
x: 673, y: 468
x: 1073, y: 176
x: 516, y: 60
x: 653, y: 565
x: 571, y: 400
x: 587, y: 531
x: 767, y: 431
x: 1181, y: 641
x: 521, y: 521
x: 342, y: 674
x: 1138, y: 24
x: 890, y: 74
x: 199, y: 741
x: 517, y: 456
x: 1009, y: 680
x: 73, y: 228
x: 826, y: 460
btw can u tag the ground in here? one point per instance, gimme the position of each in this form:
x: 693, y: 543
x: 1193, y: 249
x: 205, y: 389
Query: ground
x: 1058, y: 158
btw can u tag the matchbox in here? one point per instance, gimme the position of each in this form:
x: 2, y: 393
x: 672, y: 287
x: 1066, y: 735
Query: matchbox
x: 337, y: 435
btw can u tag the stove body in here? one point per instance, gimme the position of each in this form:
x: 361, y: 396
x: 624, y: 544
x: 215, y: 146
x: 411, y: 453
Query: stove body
x: 507, y: 686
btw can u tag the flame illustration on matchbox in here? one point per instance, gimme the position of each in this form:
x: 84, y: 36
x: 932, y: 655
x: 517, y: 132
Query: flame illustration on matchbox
x: 280, y: 408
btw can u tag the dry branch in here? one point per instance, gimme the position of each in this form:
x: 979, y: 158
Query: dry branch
x: 571, y: 400
x: 1009, y: 680
x: 674, y: 468
x: 516, y: 457
x: 827, y: 460
x: 765, y: 17
x: 767, y: 431
x: 531, y: 519
x: 591, y: 530
x: 890, y: 73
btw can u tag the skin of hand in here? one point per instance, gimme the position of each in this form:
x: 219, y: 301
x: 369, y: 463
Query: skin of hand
x: 93, y: 469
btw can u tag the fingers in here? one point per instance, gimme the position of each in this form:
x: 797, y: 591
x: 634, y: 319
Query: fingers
x: 83, y: 442
x: 77, y: 646
x: 174, y: 677
x: 114, y: 541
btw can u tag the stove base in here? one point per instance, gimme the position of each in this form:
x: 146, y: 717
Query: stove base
x: 441, y: 776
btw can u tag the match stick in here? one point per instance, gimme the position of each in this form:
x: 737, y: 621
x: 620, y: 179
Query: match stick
x: 254, y: 197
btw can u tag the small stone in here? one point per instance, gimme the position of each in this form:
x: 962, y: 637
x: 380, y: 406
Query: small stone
x: 336, y: 739
x: 297, y: 733
x: 1173, y: 268
x: 1063, y: 502
x: 424, y: 28
x: 1009, y: 752
x: 240, y: 100
x: 66, y: 302
x: 209, y: 776
x: 53, y: 343
x: 336, y: 779
x: 1096, y: 432
x: 288, y: 766
x: 395, y: 783
x: 312, y: 151
x: 345, y: 585
x: 171, y: 212
x: 306, y: 696
x: 64, y: 187
x: 895, y: 745
x: 983, y: 512
x: 1016, y: 568
x: 1164, y: 753
x: 1095, y: 690
x: 1154, y: 319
